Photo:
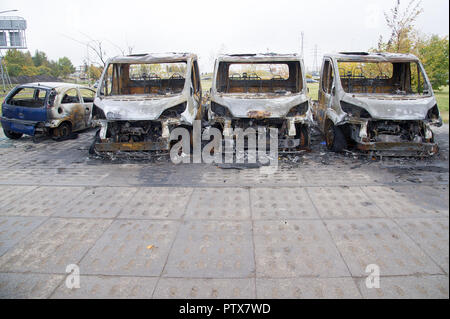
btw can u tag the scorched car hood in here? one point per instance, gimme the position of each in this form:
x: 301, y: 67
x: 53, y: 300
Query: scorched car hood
x: 137, y: 108
x: 393, y: 107
x: 273, y: 105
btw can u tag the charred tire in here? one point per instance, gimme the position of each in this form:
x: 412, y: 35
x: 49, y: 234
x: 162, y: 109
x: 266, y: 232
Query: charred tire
x: 335, y: 138
x: 304, y: 136
x: 12, y: 135
x: 92, y: 150
x: 63, y: 131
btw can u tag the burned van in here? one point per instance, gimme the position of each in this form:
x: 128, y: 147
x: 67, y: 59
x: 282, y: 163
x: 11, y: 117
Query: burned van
x: 142, y: 98
x: 262, y: 90
x: 381, y: 103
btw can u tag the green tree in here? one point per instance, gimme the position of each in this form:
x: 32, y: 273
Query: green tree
x: 433, y: 51
x: 22, y: 63
x: 65, y: 66
x: 19, y: 63
x: 14, y: 69
x: 95, y: 72
x: 401, y: 24
x: 14, y: 56
x: 92, y: 71
x: 54, y: 69
x: 29, y: 70
x: 44, y: 70
x: 40, y: 59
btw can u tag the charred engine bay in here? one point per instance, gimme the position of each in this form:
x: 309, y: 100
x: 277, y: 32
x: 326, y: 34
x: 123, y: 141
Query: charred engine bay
x: 136, y: 131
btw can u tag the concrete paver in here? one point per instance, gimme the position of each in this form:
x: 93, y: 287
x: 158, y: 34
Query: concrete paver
x: 431, y: 234
x: 144, y: 229
x: 281, y: 203
x: 212, y: 249
x: 296, y: 248
x: 343, y: 202
x: 364, y: 242
x: 410, y: 287
x: 131, y: 247
x: 222, y: 203
x: 42, y: 201
x: 205, y: 288
x: 307, y: 288
x: 54, y: 245
x: 14, y: 229
x: 97, y: 202
x: 28, y: 286
x: 157, y: 203
x: 100, y: 287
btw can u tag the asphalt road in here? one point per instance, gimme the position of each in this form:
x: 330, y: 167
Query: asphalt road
x: 151, y: 229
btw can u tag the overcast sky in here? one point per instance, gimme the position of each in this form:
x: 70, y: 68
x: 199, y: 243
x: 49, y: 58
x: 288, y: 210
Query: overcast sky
x: 209, y: 27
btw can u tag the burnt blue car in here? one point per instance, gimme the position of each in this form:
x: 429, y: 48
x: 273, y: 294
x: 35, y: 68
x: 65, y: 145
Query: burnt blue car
x: 57, y: 109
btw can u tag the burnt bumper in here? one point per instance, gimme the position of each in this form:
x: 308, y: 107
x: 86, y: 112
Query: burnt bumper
x: 162, y: 145
x: 409, y: 149
x: 19, y: 126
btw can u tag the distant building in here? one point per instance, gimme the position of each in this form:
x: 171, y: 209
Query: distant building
x: 12, y: 33
x: 12, y: 36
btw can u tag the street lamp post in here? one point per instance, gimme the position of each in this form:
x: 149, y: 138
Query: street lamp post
x: 14, y: 10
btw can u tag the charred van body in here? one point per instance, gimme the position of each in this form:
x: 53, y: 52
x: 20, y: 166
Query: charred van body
x: 262, y: 90
x: 142, y: 98
x: 380, y: 103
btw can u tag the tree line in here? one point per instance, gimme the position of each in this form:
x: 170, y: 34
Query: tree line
x: 20, y: 63
x: 432, y: 50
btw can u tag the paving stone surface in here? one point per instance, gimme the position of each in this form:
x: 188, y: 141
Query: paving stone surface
x: 380, y: 242
x: 157, y: 203
x: 177, y: 288
x: 98, y: 202
x: 219, y: 203
x: 411, y: 287
x: 28, y: 286
x: 212, y: 249
x: 343, y: 202
x: 281, y: 203
x: 431, y: 235
x: 131, y: 247
x: 107, y: 287
x: 10, y: 194
x: 150, y: 229
x: 54, y: 245
x: 42, y: 201
x: 15, y: 229
x: 253, y: 177
x: 408, y: 202
x: 307, y: 288
x: 296, y: 248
